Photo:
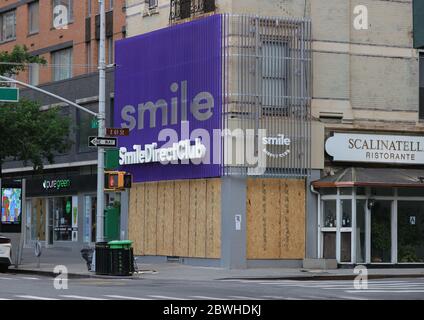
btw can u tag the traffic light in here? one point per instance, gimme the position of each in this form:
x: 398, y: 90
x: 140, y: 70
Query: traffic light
x: 117, y: 180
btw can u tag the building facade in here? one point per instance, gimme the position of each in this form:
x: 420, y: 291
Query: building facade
x: 59, y: 204
x: 362, y: 190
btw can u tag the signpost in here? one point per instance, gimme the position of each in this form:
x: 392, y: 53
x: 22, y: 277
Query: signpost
x: 118, y: 132
x: 100, y: 142
x: 9, y: 94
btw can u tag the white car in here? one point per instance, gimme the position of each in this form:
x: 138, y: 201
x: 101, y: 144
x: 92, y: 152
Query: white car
x: 5, y: 253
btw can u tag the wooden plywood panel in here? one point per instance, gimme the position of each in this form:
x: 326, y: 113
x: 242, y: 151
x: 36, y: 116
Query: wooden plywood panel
x: 169, y: 218
x: 275, y: 219
x: 255, y: 228
x: 297, y: 209
x: 213, y: 219
x: 151, y: 218
x: 200, y: 240
x: 181, y: 217
x: 194, y: 200
x: 141, y: 195
x: 160, y: 219
x: 133, y: 221
x: 273, y: 214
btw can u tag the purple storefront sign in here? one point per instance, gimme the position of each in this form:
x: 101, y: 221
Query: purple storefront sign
x: 162, y: 79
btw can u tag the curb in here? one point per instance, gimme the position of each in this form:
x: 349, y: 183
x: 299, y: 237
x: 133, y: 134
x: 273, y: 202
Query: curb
x: 328, y: 277
x: 51, y: 274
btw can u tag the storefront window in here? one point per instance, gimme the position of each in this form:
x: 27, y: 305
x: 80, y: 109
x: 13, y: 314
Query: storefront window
x: 410, y: 231
x: 382, y: 192
x: 361, y: 191
x: 411, y: 192
x: 330, y: 211
x: 360, y: 230
x: 61, y: 208
x: 345, y: 191
x: 328, y: 191
x: 381, y: 235
x: 90, y: 209
x: 346, y: 206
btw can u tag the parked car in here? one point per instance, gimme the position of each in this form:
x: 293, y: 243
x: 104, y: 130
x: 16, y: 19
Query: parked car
x: 5, y: 253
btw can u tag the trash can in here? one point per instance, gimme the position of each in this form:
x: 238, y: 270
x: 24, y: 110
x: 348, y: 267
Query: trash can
x: 103, y: 258
x: 122, y: 258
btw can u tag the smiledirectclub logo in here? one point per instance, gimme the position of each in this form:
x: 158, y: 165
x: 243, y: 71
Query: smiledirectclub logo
x: 56, y: 184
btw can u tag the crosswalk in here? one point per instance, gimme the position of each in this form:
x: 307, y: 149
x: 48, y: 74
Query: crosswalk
x: 274, y: 290
x: 347, y: 286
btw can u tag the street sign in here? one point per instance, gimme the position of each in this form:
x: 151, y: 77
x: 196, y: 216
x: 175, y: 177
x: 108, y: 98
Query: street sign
x: 9, y: 94
x: 94, y: 123
x: 102, y: 142
x: 118, y: 132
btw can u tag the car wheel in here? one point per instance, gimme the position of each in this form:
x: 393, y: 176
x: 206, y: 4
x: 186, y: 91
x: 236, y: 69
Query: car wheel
x: 3, y: 268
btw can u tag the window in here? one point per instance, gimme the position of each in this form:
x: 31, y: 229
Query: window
x: 61, y: 7
x: 62, y: 64
x: 33, y: 14
x: 110, y: 50
x: 421, y: 98
x: 33, y: 74
x: 84, y: 129
x: 8, y: 26
x: 88, y: 57
x: 274, y: 74
x: 110, y: 4
x: 152, y: 3
x: 88, y: 8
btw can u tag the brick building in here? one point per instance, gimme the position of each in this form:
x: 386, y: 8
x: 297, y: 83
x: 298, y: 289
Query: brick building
x: 66, y: 34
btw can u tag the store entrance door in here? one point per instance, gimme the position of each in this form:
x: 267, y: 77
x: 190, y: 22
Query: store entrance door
x: 59, y: 219
x: 381, y: 231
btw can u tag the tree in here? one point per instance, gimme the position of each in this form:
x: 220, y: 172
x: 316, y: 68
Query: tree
x: 27, y: 133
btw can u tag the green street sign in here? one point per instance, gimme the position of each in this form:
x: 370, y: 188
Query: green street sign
x: 94, y: 123
x: 9, y: 94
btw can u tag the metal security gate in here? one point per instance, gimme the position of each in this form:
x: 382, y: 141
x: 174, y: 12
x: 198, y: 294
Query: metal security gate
x: 266, y: 96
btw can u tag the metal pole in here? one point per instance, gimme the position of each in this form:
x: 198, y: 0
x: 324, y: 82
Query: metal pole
x: 101, y: 118
x: 49, y: 94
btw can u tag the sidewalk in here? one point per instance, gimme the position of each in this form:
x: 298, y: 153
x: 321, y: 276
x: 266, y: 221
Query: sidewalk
x: 174, y: 271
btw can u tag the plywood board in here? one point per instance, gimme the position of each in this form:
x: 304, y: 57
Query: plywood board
x: 169, y: 218
x: 213, y: 219
x: 297, y: 209
x: 181, y: 217
x: 200, y: 241
x: 160, y: 219
x: 194, y: 203
x: 141, y: 212
x: 256, y: 222
x: 151, y: 218
x: 275, y: 219
x: 133, y: 223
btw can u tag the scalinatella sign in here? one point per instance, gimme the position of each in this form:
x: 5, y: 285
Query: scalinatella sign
x: 168, y: 93
x: 349, y: 147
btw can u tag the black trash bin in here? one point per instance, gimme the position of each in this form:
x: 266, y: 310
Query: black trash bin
x: 122, y: 258
x: 103, y: 258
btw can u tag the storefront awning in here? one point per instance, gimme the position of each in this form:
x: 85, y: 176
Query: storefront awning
x: 373, y: 177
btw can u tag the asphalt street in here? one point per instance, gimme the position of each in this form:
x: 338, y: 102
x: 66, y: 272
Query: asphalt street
x: 21, y: 287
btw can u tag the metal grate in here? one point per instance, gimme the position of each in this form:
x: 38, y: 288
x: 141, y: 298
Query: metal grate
x: 183, y: 9
x: 266, y: 94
